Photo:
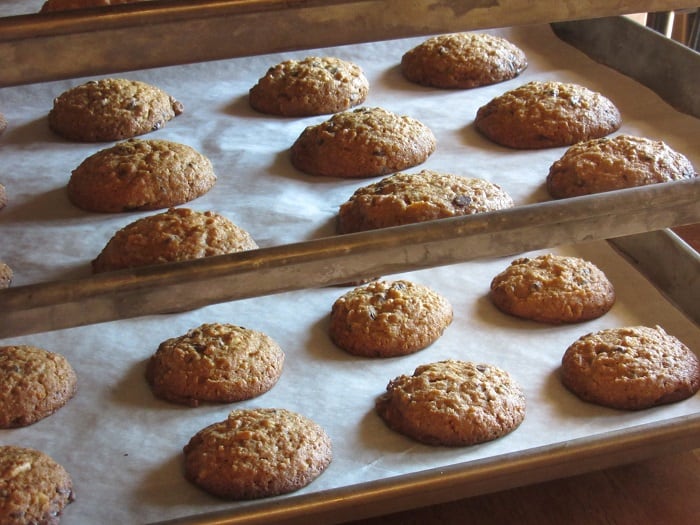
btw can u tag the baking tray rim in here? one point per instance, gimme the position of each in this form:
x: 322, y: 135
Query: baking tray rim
x: 465, y: 479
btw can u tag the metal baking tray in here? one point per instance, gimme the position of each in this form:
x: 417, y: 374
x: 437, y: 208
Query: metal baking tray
x: 626, y: 215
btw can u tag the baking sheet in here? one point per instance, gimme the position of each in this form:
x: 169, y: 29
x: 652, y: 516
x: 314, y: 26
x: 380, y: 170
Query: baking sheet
x: 123, y: 448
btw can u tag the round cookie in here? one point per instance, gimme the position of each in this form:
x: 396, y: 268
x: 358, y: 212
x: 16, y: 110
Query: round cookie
x: 34, y: 383
x: 463, y: 60
x: 553, y: 289
x: 257, y: 453
x: 179, y: 234
x: 615, y: 163
x: 312, y: 86
x: 388, y: 319
x: 140, y: 175
x: 64, y: 5
x: 111, y: 109
x: 404, y: 198
x: 630, y: 368
x: 34, y: 489
x: 546, y: 115
x: 5, y: 275
x: 215, y: 362
x: 453, y: 403
x: 364, y: 142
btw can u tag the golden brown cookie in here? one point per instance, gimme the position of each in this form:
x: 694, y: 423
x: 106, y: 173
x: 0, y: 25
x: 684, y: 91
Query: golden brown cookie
x: 546, y: 115
x: 64, y: 5
x: 404, y: 198
x: 34, y: 489
x: 215, y: 362
x: 111, y: 109
x: 179, y: 234
x: 312, y: 86
x: 453, y: 403
x: 463, y: 60
x: 364, y: 142
x: 257, y: 453
x: 630, y: 368
x: 140, y: 175
x: 388, y: 319
x: 34, y: 383
x: 553, y: 289
x: 615, y: 163
x: 5, y: 275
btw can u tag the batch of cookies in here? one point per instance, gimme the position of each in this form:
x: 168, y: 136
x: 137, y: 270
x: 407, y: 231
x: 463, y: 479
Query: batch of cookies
x: 258, y: 453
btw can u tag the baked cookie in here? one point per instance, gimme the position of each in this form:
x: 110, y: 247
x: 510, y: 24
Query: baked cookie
x: 215, y: 362
x: 5, y: 275
x: 388, y: 319
x: 630, y: 368
x: 34, y: 489
x: 615, y: 163
x: 404, y: 198
x: 364, y: 142
x: 111, y: 109
x: 64, y: 5
x: 546, y: 115
x: 553, y: 289
x: 34, y: 383
x: 453, y: 403
x: 140, y: 175
x: 312, y: 86
x: 463, y: 60
x: 179, y: 234
x: 257, y: 453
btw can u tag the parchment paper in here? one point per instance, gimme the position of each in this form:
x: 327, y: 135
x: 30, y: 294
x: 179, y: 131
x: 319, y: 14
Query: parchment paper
x: 123, y: 447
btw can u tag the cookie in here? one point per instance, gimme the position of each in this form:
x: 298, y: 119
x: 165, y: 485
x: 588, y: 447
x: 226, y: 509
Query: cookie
x: 364, y: 142
x: 453, y: 403
x: 388, y: 319
x: 64, y: 5
x: 215, y: 362
x: 111, y: 109
x: 404, y: 198
x: 34, y: 383
x: 630, y: 368
x: 5, y: 275
x: 463, y: 60
x: 34, y: 489
x: 312, y: 86
x: 179, y: 234
x: 140, y: 175
x: 615, y: 163
x: 546, y: 115
x: 257, y: 453
x: 553, y: 289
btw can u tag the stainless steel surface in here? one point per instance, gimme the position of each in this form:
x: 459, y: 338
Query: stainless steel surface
x: 183, y: 286
x: 670, y: 69
x: 669, y: 263
x: 36, y: 48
